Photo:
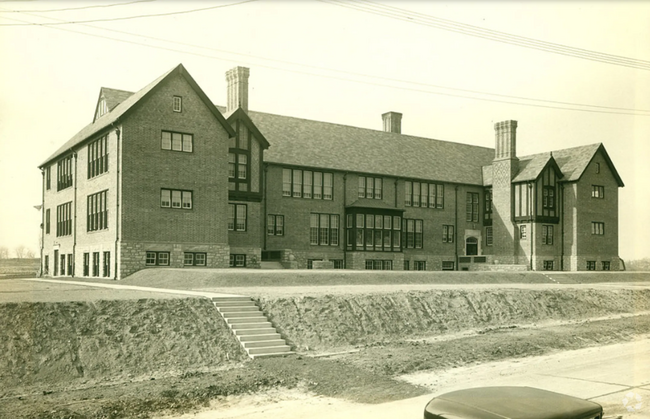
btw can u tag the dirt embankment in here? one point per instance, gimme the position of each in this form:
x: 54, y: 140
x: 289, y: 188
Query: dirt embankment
x: 333, y: 322
x: 81, y: 343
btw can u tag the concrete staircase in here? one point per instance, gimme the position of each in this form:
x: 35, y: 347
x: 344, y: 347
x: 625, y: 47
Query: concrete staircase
x: 255, y: 333
x: 271, y: 265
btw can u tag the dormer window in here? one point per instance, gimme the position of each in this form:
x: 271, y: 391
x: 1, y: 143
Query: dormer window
x: 178, y: 104
x: 102, y: 108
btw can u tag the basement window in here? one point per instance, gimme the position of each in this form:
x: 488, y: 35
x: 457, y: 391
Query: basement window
x: 157, y: 259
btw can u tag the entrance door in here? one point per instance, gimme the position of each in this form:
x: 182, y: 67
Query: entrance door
x: 471, y: 246
x: 56, y: 263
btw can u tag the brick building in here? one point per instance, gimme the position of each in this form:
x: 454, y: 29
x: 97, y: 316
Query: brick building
x: 163, y: 177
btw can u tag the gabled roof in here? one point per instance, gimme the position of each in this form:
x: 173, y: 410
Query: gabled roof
x: 240, y: 114
x: 530, y: 169
x: 303, y: 142
x: 123, y: 108
x: 113, y: 97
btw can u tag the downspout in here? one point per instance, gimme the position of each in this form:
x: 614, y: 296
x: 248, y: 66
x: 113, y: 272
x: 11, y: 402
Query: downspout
x: 562, y: 226
x: 533, y: 212
x: 456, y: 227
x: 345, y: 220
x: 117, y: 201
x: 42, y: 220
x: 74, y: 225
x: 264, y: 206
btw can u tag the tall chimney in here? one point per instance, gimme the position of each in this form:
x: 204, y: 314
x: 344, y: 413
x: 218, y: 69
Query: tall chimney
x: 506, y: 140
x: 392, y: 122
x: 237, y: 79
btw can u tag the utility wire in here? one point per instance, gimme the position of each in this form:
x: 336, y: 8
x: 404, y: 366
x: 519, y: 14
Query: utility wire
x: 126, y: 17
x: 625, y: 111
x: 76, y: 8
x: 476, y: 31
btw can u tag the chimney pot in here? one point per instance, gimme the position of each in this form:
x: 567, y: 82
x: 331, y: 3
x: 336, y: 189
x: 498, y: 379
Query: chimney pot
x: 392, y: 122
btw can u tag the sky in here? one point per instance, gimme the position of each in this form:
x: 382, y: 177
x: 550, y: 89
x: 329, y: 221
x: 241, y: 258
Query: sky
x: 580, y: 76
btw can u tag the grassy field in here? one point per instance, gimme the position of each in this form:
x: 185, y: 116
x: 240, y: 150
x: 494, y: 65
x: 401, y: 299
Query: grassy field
x: 19, y: 268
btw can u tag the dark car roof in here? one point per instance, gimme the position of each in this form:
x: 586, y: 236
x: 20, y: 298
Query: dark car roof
x: 510, y: 403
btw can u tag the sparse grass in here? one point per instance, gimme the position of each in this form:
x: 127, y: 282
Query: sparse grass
x: 19, y: 268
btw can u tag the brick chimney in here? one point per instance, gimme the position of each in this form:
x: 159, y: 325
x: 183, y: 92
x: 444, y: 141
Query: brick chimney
x: 237, y: 79
x: 506, y: 140
x: 392, y: 122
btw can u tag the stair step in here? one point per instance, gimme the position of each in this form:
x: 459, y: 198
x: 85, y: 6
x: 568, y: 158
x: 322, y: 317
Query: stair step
x: 258, y: 325
x: 264, y: 343
x: 246, y: 320
x: 270, y: 350
x: 233, y: 309
x: 246, y: 314
x: 231, y: 299
x: 272, y: 355
x: 264, y: 334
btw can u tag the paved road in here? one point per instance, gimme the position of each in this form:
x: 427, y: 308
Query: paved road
x: 605, y: 375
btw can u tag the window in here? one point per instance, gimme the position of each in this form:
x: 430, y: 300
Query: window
x: 194, y: 259
x: 177, y: 104
x: 157, y: 259
x: 237, y: 261
x: 70, y: 265
x: 489, y: 238
x: 324, y: 229
x: 487, y: 214
x: 606, y: 265
x: 237, y: 219
x: 64, y: 219
x: 370, y: 187
x: 47, y: 221
x: 46, y: 265
x: 597, y: 167
x: 338, y: 263
x: 310, y: 263
x: 307, y: 184
x: 412, y: 233
x: 591, y: 265
x: 48, y: 177
x: 423, y: 195
x: 97, y: 213
x: 420, y: 265
x: 448, y: 266
x: 597, y: 191
x: 406, y: 265
x: 379, y: 265
x: 549, y: 265
x: 107, y: 265
x: 275, y: 225
x: 98, y: 157
x: 176, y: 199
x: 86, y: 264
x: 102, y: 108
x: 597, y: 228
x: 472, y: 207
x: 447, y: 234
x: 548, y: 198
x: 177, y: 141
x: 522, y: 232
x: 95, y: 263
x: 62, y: 265
x: 64, y: 173
x: 373, y: 232
x: 547, y: 234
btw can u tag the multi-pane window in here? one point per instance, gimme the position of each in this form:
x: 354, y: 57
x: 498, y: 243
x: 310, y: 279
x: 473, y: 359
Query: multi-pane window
x: 98, y: 157
x: 338, y: 263
x: 412, y: 233
x: 47, y: 221
x: 419, y: 265
x: 523, y: 233
x: 95, y: 263
x: 107, y: 265
x: 177, y: 104
x: 373, y: 232
x: 64, y: 219
x: 425, y: 195
x: 549, y: 265
x: 275, y: 225
x: 324, y: 229
x: 97, y: 212
x: 237, y: 217
x: 237, y: 261
x: 487, y: 214
x: 447, y: 234
x: 370, y: 187
x: 407, y: 265
x: 86, y: 264
x: 379, y: 265
x: 548, y: 197
x: 597, y: 191
x: 448, y: 266
x: 194, y: 259
x: 70, y: 264
x: 591, y: 265
x: 46, y: 265
x: 606, y: 265
x: 547, y: 234
x: 489, y: 238
x: 177, y: 141
x: 177, y: 199
x: 64, y: 173
x: 472, y: 207
x: 307, y: 184
x: 157, y: 259
x: 597, y: 228
x: 48, y: 177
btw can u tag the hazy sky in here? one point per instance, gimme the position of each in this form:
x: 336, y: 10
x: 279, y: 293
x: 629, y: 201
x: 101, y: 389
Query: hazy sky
x: 330, y: 61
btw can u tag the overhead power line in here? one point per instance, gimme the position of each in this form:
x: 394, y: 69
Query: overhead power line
x: 549, y: 103
x: 76, y: 8
x: 125, y: 17
x: 492, y: 35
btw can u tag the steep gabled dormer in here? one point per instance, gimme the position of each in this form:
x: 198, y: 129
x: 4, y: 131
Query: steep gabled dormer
x: 108, y: 100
